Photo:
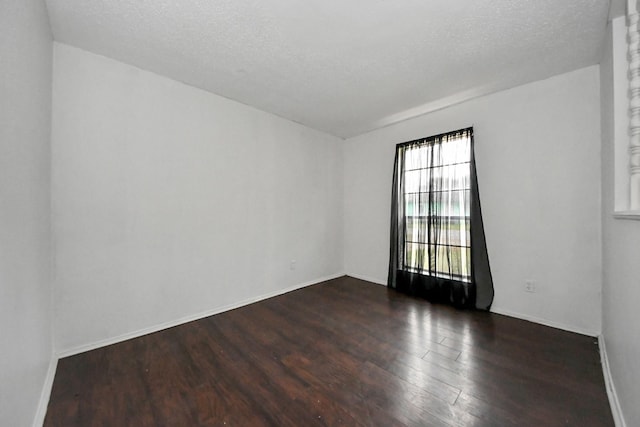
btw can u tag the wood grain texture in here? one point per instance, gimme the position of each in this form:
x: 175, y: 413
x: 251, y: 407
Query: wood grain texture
x: 343, y: 352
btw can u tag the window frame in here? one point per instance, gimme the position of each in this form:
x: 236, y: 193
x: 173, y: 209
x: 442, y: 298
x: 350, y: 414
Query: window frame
x: 407, y: 264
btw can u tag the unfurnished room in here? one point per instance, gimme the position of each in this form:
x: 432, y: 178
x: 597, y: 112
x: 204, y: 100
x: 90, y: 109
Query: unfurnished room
x: 355, y: 213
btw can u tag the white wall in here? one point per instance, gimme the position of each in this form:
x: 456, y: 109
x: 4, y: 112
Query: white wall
x: 25, y: 257
x: 621, y: 247
x: 171, y: 201
x: 538, y: 161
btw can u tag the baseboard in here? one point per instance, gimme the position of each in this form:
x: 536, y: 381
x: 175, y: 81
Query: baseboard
x: 368, y: 279
x: 500, y: 311
x: 616, y: 411
x: 545, y: 322
x: 186, y: 319
x: 45, y: 394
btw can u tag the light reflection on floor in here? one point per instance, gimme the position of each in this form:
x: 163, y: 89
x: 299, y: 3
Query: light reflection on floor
x: 428, y: 332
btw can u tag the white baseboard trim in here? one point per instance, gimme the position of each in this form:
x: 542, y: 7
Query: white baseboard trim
x: 45, y: 394
x: 502, y: 311
x: 616, y: 410
x: 186, y: 319
x: 367, y: 279
x: 545, y: 322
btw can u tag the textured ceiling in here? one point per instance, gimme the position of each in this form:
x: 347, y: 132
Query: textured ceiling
x: 344, y: 67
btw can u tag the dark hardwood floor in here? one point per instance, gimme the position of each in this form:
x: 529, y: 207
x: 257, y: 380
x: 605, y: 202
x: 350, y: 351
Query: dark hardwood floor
x: 343, y: 352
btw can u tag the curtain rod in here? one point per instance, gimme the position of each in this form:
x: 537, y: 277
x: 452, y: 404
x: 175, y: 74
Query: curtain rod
x: 434, y: 137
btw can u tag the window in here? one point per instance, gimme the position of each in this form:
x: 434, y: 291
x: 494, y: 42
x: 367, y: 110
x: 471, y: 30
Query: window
x: 437, y: 244
x: 437, y: 190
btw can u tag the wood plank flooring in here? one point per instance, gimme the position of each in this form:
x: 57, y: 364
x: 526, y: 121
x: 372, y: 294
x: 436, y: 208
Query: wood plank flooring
x: 343, y: 352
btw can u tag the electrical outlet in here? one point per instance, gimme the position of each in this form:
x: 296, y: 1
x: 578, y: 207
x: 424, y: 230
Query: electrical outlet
x: 530, y: 286
x: 292, y: 264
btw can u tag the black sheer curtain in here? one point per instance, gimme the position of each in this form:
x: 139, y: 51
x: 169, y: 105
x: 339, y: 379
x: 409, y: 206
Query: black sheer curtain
x: 438, y: 248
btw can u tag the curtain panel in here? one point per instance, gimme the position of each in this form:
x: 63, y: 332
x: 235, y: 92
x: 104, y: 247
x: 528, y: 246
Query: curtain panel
x: 438, y: 247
